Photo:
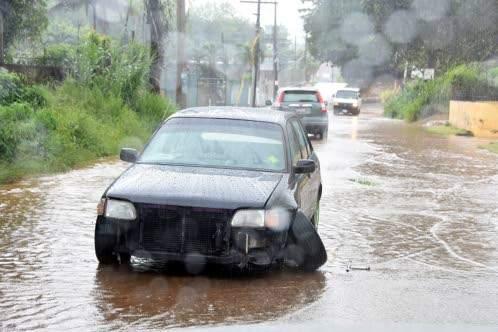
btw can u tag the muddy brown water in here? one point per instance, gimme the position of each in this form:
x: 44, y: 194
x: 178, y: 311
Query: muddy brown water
x: 420, y: 210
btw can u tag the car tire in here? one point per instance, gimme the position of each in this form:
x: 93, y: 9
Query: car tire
x: 104, y: 250
x: 306, y: 248
x: 325, y: 134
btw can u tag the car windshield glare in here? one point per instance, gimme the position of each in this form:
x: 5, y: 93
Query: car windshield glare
x: 223, y: 143
x: 300, y: 97
x: 347, y: 94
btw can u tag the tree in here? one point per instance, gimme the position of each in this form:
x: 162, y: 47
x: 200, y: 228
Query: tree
x: 217, y: 24
x: 22, y: 19
x: 385, y: 34
x: 159, y: 27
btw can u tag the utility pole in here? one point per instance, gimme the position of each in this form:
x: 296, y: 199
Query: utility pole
x: 180, y: 51
x: 1, y: 36
x: 256, y: 56
x: 258, y: 48
x: 275, y: 50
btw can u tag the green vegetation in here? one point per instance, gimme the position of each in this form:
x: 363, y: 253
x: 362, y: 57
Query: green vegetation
x: 363, y: 182
x: 104, y: 105
x: 447, y: 131
x: 420, y: 98
x: 493, y: 147
x: 402, y: 31
x: 23, y: 19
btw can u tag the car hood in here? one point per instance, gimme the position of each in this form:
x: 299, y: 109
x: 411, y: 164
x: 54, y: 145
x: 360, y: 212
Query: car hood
x: 194, y: 186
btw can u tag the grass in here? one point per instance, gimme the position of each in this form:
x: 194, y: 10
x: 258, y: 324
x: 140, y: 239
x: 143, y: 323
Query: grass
x: 447, y: 130
x: 493, y: 147
x: 104, y: 106
x: 77, y: 126
x: 363, y: 182
x: 420, y: 99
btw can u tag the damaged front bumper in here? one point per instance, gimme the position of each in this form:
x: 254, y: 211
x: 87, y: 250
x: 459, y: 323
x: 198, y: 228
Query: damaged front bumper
x: 243, y: 247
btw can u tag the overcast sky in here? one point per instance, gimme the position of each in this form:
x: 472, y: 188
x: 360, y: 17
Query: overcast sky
x: 288, y: 14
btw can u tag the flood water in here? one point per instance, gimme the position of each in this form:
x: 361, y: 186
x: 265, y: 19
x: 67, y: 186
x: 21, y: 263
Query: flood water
x: 420, y: 210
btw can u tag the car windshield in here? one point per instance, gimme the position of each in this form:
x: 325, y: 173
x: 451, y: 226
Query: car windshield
x: 345, y: 94
x: 223, y: 143
x: 300, y: 97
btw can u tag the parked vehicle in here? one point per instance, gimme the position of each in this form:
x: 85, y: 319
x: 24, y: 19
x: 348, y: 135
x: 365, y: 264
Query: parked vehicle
x: 347, y: 101
x: 309, y: 105
x: 236, y: 187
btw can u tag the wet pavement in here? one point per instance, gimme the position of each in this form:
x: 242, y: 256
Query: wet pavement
x: 420, y: 210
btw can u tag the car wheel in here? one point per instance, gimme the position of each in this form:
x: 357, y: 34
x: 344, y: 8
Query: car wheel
x: 306, y: 248
x: 325, y: 134
x: 104, y: 250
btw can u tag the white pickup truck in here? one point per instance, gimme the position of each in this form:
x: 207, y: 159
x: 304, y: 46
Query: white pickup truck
x: 347, y: 101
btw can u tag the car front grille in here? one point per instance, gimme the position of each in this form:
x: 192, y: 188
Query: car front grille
x: 344, y: 106
x: 183, y: 230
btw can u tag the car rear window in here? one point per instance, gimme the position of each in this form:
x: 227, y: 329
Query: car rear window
x: 300, y: 97
x: 223, y: 143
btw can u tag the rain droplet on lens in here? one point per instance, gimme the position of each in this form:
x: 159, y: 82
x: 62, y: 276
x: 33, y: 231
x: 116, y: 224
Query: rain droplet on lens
x: 401, y: 27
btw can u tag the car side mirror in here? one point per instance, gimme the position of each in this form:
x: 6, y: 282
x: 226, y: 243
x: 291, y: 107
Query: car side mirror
x: 305, y: 166
x: 268, y: 103
x: 128, y: 155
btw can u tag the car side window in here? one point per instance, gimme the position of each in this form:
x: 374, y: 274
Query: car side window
x: 302, y: 141
x: 295, y: 151
x: 309, y: 147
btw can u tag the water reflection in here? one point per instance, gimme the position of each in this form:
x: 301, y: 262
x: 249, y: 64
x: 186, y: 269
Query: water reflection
x: 127, y: 295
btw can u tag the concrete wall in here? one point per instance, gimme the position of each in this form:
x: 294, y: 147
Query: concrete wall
x: 481, y: 118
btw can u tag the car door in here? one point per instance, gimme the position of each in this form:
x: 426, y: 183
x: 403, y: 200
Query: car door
x: 299, y: 150
x: 315, y: 180
x: 296, y: 181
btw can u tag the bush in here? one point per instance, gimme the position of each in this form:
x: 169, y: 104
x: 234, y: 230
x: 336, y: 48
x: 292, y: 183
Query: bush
x: 420, y: 99
x: 104, y: 105
x: 57, y: 55
x: 121, y: 70
x: 11, y: 88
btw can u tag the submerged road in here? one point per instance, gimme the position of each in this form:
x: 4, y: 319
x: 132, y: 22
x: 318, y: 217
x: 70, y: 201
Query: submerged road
x: 420, y: 210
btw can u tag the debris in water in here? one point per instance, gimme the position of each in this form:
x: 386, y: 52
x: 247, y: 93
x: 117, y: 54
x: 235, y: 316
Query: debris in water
x: 349, y: 267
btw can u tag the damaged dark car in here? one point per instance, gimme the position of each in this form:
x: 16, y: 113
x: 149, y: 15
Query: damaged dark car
x: 227, y: 186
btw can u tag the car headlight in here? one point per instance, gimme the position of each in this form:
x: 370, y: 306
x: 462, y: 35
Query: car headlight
x: 336, y: 103
x: 355, y: 104
x: 276, y: 219
x: 120, y: 210
x: 249, y: 218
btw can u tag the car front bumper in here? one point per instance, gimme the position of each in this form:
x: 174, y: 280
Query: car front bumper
x: 345, y: 108
x: 246, y: 246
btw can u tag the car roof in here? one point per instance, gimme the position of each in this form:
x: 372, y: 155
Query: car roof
x: 236, y: 113
x: 349, y: 89
x: 300, y: 88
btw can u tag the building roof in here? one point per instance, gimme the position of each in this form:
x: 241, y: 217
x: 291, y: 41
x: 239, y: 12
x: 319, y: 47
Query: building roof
x: 236, y: 113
